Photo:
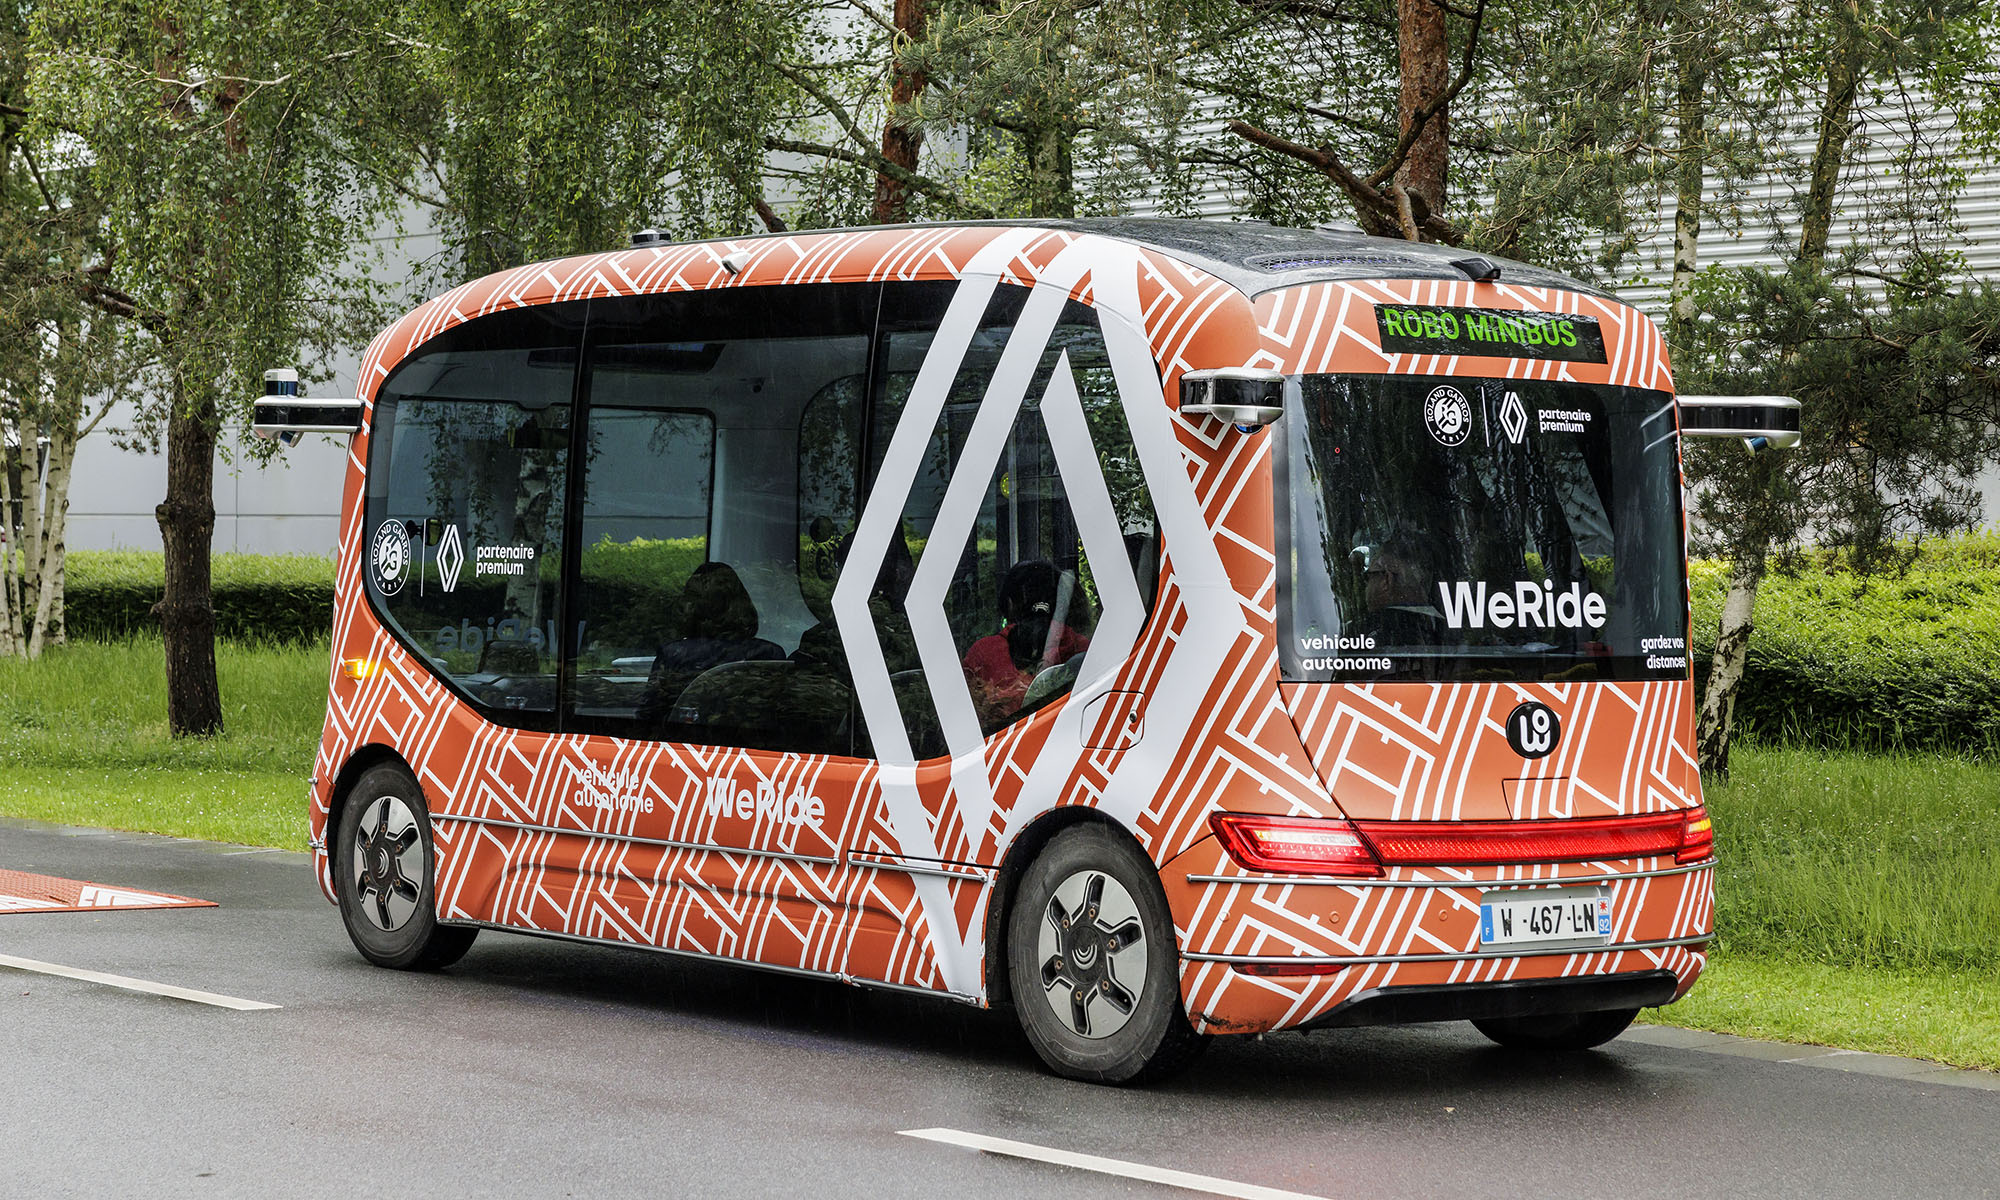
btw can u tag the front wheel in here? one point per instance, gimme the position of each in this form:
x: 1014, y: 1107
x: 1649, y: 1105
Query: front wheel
x: 384, y: 873
x: 1558, y: 1031
x: 1091, y: 962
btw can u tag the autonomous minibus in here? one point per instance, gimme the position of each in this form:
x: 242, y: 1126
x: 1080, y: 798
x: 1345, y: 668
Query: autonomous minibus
x: 1162, y: 628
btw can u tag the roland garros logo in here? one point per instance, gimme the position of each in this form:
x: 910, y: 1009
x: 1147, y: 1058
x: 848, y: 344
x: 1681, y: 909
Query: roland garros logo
x: 1448, y: 415
x: 389, y: 557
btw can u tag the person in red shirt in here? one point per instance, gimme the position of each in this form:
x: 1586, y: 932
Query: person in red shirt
x: 1034, y: 599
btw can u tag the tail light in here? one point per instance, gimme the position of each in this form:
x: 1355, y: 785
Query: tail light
x: 1697, y: 836
x: 1320, y: 846
x: 1488, y: 843
x: 1295, y: 845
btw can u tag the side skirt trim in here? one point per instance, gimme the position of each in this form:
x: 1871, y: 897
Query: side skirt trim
x: 699, y: 956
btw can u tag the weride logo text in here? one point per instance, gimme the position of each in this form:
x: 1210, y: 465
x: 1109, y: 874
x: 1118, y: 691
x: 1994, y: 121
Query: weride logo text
x: 722, y: 798
x: 1473, y: 606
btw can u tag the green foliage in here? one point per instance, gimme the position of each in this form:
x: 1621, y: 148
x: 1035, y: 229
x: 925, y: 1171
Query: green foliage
x: 206, y: 138
x: 1871, y: 661
x: 635, y: 587
x: 279, y: 598
x: 533, y: 131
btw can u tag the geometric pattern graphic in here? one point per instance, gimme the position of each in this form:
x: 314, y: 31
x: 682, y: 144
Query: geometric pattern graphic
x: 686, y: 848
x: 22, y: 892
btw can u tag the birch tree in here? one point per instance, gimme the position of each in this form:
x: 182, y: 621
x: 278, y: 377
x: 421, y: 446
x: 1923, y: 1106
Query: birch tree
x: 209, y: 134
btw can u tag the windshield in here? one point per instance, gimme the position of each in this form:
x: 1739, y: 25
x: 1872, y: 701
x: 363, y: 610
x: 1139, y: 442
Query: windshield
x: 1478, y: 529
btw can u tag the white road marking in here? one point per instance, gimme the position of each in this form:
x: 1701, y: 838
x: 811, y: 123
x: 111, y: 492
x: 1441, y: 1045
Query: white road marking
x: 1105, y: 1166
x: 134, y: 985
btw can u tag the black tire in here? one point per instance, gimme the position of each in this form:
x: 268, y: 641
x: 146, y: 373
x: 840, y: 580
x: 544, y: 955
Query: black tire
x: 1558, y: 1031
x: 1134, y: 1029
x: 384, y: 870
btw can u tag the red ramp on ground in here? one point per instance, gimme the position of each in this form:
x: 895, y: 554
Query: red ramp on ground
x: 21, y: 892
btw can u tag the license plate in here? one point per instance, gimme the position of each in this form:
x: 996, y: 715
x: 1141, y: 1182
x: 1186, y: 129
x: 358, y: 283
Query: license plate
x: 1531, y: 916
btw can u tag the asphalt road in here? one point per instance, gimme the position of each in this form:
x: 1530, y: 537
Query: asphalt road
x: 539, y: 1068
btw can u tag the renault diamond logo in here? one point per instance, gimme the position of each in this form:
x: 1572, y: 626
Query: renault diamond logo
x: 1533, y: 730
x: 1514, y: 418
x: 451, y: 556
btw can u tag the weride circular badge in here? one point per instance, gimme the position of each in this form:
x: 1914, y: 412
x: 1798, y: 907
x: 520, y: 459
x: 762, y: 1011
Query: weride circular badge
x: 389, y: 557
x: 1448, y: 415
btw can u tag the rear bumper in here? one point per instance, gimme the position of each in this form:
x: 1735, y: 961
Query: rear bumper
x: 1504, y: 998
x: 1261, y: 952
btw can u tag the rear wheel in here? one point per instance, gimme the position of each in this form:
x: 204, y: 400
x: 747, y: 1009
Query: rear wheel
x: 1558, y: 1031
x: 1091, y: 962
x: 384, y: 872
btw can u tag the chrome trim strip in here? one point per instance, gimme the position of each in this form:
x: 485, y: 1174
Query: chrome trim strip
x: 704, y: 847
x: 1337, y: 881
x: 702, y: 956
x: 942, y: 870
x: 1289, y: 960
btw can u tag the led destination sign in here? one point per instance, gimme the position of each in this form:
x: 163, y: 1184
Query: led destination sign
x: 1489, y: 333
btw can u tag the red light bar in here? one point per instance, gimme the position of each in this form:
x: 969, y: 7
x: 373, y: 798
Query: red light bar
x: 1285, y: 970
x: 1294, y: 845
x: 1682, y: 833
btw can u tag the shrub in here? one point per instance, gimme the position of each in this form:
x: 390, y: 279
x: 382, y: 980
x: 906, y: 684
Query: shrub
x: 1883, y: 662
x: 109, y: 595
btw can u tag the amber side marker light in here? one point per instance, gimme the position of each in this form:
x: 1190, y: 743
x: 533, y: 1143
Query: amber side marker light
x: 356, y: 668
x: 1295, y: 845
x: 1697, y: 837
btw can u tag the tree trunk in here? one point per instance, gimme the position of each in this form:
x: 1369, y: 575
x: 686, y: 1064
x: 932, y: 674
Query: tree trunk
x: 1051, y: 172
x: 900, y: 143
x: 48, y: 570
x: 1732, y: 645
x: 13, y: 641
x: 1725, y: 673
x: 187, y: 529
x: 1692, y: 116
x: 1836, y: 124
x: 1425, y: 59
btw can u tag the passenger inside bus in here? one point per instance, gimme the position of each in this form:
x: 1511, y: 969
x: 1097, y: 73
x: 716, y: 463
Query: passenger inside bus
x: 718, y: 625
x: 1002, y: 667
x: 1398, y: 591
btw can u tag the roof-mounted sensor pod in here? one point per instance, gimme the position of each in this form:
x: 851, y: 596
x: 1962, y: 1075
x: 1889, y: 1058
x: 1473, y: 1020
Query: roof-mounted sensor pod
x: 1763, y: 422
x: 284, y: 416
x: 1246, y: 397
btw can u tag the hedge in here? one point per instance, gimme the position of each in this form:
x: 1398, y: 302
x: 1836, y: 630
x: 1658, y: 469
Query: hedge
x: 1908, y: 661
x: 1883, y: 662
x: 109, y: 594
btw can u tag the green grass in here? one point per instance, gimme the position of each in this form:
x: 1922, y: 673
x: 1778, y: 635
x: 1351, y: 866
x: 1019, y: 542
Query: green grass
x: 83, y: 741
x: 1859, y: 860
x: 1945, y: 1016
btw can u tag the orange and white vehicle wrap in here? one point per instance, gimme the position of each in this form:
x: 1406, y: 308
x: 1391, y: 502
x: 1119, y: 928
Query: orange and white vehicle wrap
x: 1328, y: 845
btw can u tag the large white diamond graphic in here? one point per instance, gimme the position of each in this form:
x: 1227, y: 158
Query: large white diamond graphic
x: 451, y: 556
x: 1514, y: 418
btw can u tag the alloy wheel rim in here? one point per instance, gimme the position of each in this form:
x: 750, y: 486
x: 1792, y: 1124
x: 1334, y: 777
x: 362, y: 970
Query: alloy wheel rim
x: 1092, y: 947
x: 388, y: 863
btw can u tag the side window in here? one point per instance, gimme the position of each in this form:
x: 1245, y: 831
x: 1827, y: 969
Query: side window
x: 718, y: 488
x: 648, y: 476
x: 468, y: 462
x: 1021, y: 599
